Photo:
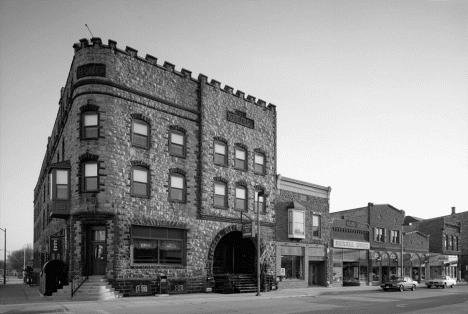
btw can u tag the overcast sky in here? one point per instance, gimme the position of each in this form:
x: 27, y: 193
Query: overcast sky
x: 371, y: 95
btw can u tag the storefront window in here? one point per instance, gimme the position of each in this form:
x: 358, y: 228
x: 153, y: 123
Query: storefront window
x: 293, y: 266
x: 337, y: 273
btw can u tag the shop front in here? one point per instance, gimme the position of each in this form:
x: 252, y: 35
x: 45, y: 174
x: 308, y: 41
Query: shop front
x: 350, y: 262
x: 414, y: 266
x: 384, y: 266
x: 446, y: 265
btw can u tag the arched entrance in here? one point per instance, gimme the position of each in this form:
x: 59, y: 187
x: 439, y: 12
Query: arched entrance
x: 234, y: 255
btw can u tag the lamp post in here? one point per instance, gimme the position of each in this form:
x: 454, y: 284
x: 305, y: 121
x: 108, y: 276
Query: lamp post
x: 4, y: 258
x: 259, y: 194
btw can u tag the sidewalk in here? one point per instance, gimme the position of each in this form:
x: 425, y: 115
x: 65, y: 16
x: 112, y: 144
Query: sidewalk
x: 15, y: 292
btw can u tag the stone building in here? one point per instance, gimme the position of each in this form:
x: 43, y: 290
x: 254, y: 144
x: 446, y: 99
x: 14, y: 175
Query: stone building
x: 148, y: 170
x: 302, y: 234
x: 445, y: 245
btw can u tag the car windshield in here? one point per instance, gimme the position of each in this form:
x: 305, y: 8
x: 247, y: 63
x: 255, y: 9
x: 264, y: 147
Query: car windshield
x: 397, y: 279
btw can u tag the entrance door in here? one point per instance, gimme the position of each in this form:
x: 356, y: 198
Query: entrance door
x: 313, y: 273
x: 97, y: 257
x: 234, y: 254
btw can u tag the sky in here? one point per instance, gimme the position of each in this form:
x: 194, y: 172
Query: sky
x: 371, y: 96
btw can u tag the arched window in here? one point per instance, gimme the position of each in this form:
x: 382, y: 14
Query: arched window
x: 140, y: 181
x: 177, y: 143
x: 240, y: 158
x: 220, y: 153
x: 177, y: 187
x: 241, y: 198
x: 140, y: 133
x: 220, y: 194
x: 259, y: 163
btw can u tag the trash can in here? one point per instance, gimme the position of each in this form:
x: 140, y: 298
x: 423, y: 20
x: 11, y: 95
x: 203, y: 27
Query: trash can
x: 53, y: 277
x: 209, y: 284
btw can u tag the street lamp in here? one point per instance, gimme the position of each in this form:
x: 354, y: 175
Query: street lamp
x: 4, y: 259
x: 259, y: 194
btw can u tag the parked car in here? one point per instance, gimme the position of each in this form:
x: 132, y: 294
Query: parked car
x: 400, y: 283
x: 441, y: 281
x: 351, y: 282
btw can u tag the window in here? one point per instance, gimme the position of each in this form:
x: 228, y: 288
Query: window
x: 90, y: 177
x: 177, y: 188
x: 292, y: 266
x: 241, y: 198
x: 446, y: 242
x: 220, y: 153
x: 379, y: 234
x: 140, y: 182
x: 259, y: 163
x: 59, y: 184
x: 177, y: 143
x: 152, y: 245
x: 220, y: 195
x: 394, y: 236
x: 241, y: 160
x: 316, y: 226
x: 455, y: 243
x: 140, y: 133
x: 449, y: 246
x: 260, y: 204
x: 90, y: 125
x: 296, y: 224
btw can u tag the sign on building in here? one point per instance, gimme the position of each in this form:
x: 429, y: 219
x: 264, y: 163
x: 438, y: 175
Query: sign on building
x: 248, y: 230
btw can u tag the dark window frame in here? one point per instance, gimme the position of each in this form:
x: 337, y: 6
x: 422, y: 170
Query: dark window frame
x: 218, y: 157
x: 173, y: 189
x: 245, y: 207
x: 84, y: 177
x: 85, y: 128
x: 173, y: 146
x: 262, y: 170
x: 217, y: 196
x: 155, y: 234
x: 135, y: 135
x: 261, y: 205
x: 148, y: 181
x: 54, y: 185
x: 316, y: 230
x: 244, y: 167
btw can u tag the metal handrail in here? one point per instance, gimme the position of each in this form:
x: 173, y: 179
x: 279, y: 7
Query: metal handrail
x: 78, y: 280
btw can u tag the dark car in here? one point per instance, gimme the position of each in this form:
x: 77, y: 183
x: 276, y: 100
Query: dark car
x: 400, y: 283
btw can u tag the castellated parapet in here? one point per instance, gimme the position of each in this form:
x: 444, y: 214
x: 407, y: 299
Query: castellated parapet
x: 112, y: 45
x: 118, y: 89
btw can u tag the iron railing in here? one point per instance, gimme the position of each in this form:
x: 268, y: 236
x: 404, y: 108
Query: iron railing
x: 78, y: 280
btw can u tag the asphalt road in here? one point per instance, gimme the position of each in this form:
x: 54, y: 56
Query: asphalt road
x: 423, y: 300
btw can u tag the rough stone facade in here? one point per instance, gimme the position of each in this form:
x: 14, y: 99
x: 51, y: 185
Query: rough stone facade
x: 121, y: 86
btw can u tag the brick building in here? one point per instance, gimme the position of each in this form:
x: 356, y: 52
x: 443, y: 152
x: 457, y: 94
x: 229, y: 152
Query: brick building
x: 445, y: 243
x: 302, y: 234
x: 148, y: 169
x: 385, y: 223
x: 350, y: 253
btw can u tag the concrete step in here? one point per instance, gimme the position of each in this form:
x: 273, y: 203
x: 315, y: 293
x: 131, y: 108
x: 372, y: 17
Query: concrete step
x: 94, y: 288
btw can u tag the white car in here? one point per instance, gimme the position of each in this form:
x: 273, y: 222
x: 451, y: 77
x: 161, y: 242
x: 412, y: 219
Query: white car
x: 441, y: 281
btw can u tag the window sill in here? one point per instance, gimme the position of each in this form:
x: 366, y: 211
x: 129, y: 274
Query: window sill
x: 178, y: 156
x: 90, y: 191
x: 89, y: 139
x: 220, y: 207
x: 260, y: 173
x: 140, y: 196
x: 141, y: 147
x: 241, y: 210
x: 240, y: 169
x: 221, y: 165
x: 178, y: 201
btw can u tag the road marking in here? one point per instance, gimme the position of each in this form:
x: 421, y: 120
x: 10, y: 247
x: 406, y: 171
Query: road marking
x: 401, y: 305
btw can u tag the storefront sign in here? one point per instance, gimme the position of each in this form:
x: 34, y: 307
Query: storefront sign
x: 345, y: 244
x: 248, y: 230
x: 55, y: 244
x: 240, y: 117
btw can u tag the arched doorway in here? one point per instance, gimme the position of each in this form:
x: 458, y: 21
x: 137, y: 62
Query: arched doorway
x: 234, y: 255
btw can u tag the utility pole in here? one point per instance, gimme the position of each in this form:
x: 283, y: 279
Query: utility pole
x: 4, y: 258
x: 259, y: 194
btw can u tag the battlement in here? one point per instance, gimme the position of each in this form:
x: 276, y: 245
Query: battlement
x: 167, y: 66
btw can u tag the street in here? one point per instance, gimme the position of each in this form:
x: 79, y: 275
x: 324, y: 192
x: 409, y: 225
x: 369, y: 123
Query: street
x: 423, y: 300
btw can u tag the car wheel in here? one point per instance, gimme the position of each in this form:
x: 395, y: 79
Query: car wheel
x: 451, y: 286
x: 429, y: 286
x: 413, y: 288
x: 444, y: 286
x: 402, y: 288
